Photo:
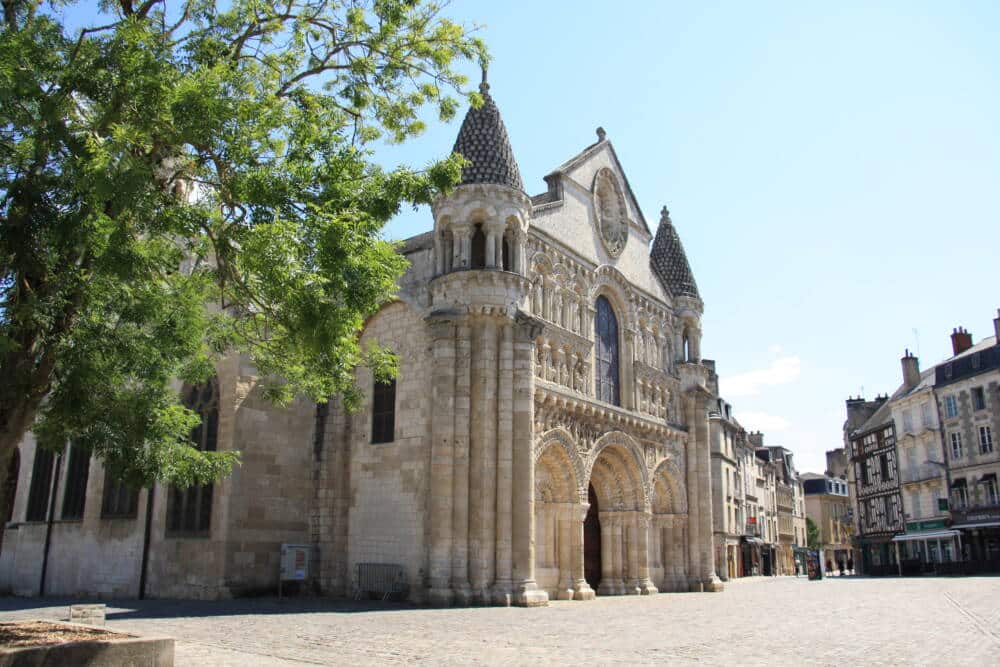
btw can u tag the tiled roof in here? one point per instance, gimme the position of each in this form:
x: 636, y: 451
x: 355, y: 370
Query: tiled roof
x: 483, y: 142
x: 669, y: 262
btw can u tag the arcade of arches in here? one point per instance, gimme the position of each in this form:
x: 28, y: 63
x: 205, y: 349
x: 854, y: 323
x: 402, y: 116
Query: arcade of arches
x: 609, y: 526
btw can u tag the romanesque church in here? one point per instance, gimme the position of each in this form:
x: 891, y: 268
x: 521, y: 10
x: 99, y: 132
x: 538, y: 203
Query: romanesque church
x: 547, y: 436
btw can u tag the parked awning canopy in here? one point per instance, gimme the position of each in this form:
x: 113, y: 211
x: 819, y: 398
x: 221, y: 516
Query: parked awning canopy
x: 985, y: 524
x: 929, y: 535
x: 752, y: 540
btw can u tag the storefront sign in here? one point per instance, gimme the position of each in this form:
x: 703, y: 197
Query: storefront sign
x: 920, y: 526
x: 973, y: 515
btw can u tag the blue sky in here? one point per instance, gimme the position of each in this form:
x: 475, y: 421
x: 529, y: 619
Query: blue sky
x: 832, y: 168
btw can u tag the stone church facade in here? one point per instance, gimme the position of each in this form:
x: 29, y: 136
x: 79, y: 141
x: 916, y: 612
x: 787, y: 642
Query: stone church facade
x: 547, y: 436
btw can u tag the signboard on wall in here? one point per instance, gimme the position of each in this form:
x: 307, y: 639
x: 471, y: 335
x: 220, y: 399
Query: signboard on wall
x: 295, y: 562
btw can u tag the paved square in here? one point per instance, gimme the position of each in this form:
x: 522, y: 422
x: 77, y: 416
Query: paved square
x: 782, y: 621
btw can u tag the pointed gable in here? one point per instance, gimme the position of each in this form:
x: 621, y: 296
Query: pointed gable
x: 669, y: 262
x: 573, y: 166
x: 483, y: 141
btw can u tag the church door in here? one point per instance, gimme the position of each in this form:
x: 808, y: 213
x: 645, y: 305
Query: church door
x: 592, y: 542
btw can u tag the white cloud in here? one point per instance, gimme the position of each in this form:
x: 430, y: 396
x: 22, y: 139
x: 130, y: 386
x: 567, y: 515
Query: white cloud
x: 761, y: 421
x: 782, y: 371
x: 775, y: 350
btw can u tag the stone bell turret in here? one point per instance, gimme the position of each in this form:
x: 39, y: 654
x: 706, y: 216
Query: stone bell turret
x: 482, y: 224
x: 670, y: 265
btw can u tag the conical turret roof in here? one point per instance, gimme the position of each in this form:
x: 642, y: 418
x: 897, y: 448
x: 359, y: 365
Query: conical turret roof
x: 483, y: 142
x: 669, y: 262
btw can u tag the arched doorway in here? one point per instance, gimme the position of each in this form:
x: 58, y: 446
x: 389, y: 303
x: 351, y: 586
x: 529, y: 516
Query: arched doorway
x: 617, y: 493
x: 592, y: 541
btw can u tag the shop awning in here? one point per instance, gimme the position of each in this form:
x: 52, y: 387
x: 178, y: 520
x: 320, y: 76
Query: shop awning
x: 752, y: 540
x: 985, y: 524
x: 931, y: 535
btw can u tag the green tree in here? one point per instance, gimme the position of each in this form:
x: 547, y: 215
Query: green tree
x: 812, y: 534
x: 176, y: 155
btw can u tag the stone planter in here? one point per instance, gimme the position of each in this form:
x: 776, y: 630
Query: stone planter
x: 112, y: 649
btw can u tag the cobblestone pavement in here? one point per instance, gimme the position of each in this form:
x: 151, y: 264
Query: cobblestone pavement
x: 782, y: 621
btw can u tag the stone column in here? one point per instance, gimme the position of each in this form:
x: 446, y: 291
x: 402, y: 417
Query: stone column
x: 617, y: 552
x: 442, y: 462
x: 626, y: 368
x: 461, y: 237
x: 630, y: 528
x: 564, y: 587
x: 438, y: 253
x: 581, y: 589
x: 482, y: 479
x: 460, y: 511
x: 526, y: 591
x: 517, y: 252
x: 646, y: 585
x: 706, y: 570
x: 607, y: 585
x: 692, y: 405
x: 491, y: 248
x: 503, y: 586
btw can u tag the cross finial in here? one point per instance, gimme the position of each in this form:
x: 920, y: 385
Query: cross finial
x: 601, y: 134
x: 664, y: 215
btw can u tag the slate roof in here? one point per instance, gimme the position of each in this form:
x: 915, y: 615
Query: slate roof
x: 669, y: 262
x: 483, y: 142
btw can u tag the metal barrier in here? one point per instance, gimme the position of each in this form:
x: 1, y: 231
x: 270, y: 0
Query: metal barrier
x: 381, y: 579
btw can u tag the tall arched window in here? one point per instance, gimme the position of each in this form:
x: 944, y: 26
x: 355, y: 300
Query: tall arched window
x: 189, y: 511
x: 606, y: 353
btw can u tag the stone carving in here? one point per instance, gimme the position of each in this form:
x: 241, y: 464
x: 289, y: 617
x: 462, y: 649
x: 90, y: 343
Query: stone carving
x: 609, y: 208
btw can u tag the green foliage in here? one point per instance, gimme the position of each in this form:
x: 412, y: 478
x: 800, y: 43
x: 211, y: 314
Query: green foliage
x: 174, y: 156
x: 812, y: 534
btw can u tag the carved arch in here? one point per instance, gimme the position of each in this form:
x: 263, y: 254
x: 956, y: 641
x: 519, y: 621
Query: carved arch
x: 631, y: 456
x: 609, y: 281
x: 669, y: 493
x: 561, y: 440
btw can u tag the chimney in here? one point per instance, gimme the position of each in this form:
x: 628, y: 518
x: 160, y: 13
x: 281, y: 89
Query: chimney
x: 911, y: 370
x: 961, y: 340
x: 996, y: 326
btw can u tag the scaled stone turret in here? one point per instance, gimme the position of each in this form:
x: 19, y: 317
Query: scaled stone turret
x: 483, y: 223
x: 483, y: 142
x: 669, y: 262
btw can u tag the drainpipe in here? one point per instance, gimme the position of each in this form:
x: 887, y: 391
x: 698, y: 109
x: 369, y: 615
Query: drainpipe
x: 146, y: 534
x: 53, y: 492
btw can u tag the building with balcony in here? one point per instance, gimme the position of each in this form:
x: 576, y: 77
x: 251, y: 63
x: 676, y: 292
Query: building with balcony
x: 967, y: 388
x: 728, y: 440
x: 828, y: 505
x: 925, y: 464
x: 927, y: 539
x: 790, y: 508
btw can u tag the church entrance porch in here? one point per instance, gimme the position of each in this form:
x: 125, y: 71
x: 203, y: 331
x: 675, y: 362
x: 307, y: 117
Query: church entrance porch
x: 618, y: 486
